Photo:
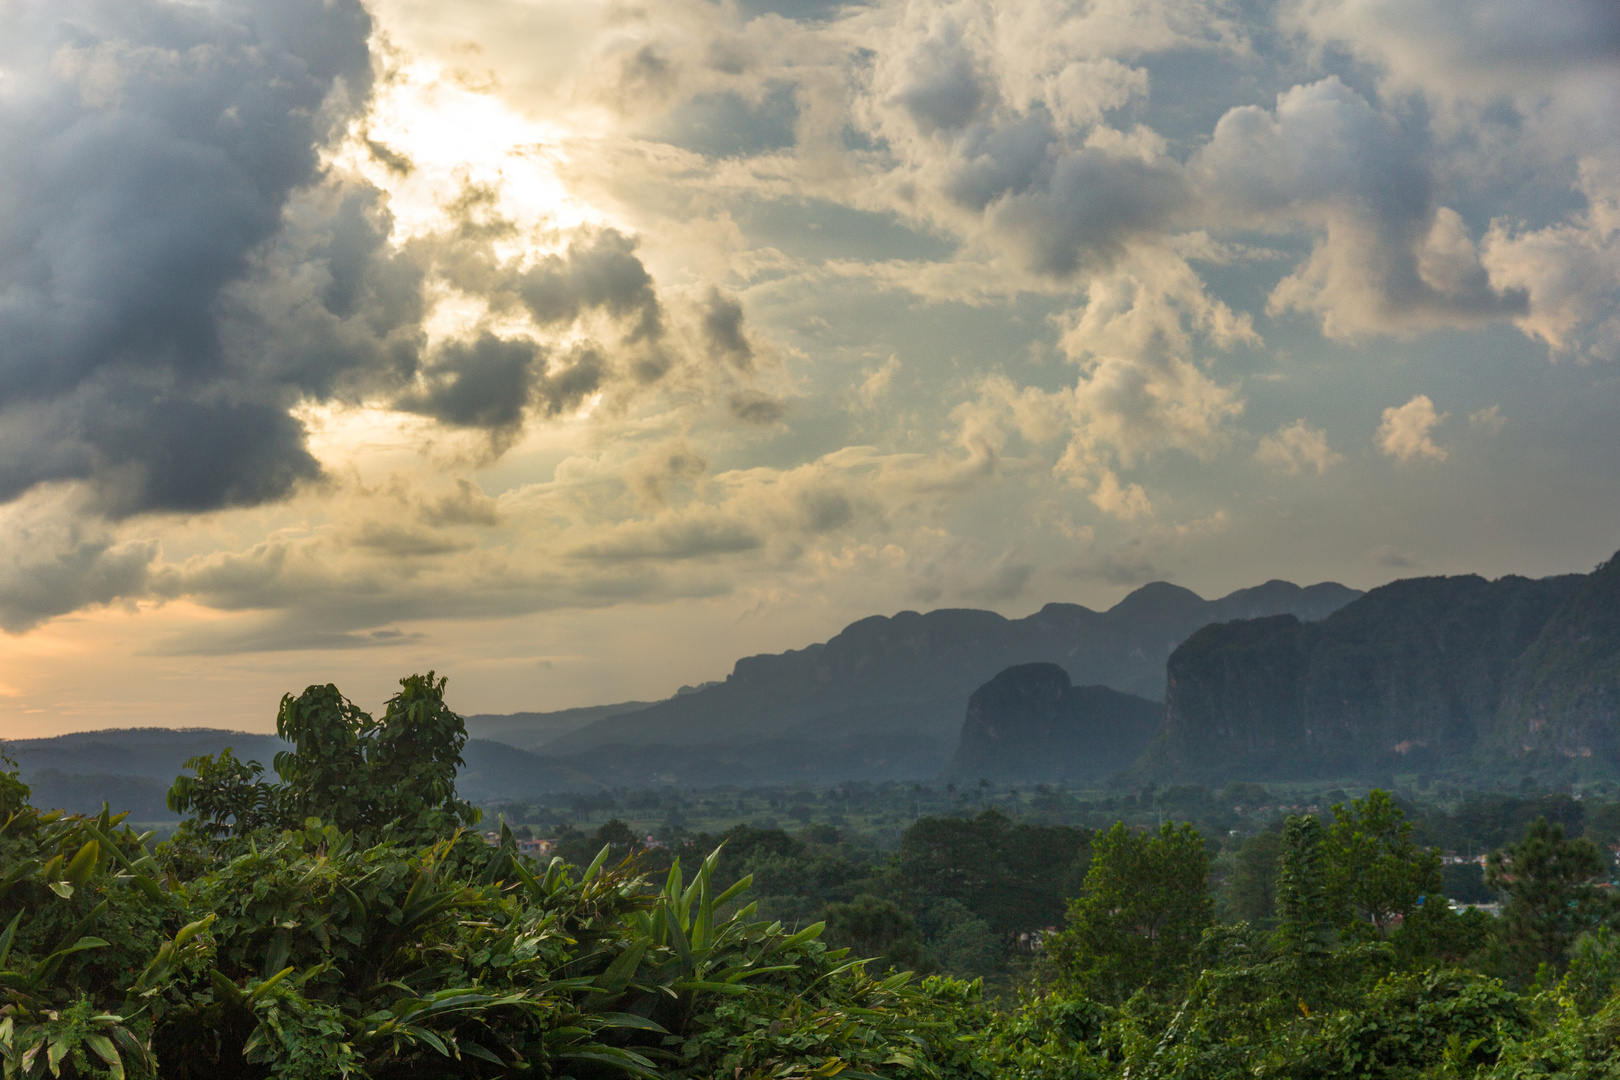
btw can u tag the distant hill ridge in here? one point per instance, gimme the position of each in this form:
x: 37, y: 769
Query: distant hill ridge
x: 1426, y: 675
x: 884, y: 698
x: 133, y: 768
x: 531, y: 730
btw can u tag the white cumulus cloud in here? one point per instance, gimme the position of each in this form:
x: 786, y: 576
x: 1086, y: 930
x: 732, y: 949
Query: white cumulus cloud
x: 1294, y: 448
x: 1404, y: 432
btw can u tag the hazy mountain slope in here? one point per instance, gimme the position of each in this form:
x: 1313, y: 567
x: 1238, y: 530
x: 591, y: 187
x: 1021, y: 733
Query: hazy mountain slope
x: 153, y: 753
x: 1029, y: 724
x: 143, y: 797
x: 133, y: 768
x: 493, y: 771
x: 1410, y: 676
x: 885, y: 697
x: 532, y: 730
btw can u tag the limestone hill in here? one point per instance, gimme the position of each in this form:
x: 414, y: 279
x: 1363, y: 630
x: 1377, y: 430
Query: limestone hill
x: 1428, y: 675
x: 1030, y: 724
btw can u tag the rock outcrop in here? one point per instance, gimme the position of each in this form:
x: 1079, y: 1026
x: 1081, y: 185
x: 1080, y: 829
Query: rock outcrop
x: 1423, y: 675
x: 1029, y: 724
x: 1561, y: 705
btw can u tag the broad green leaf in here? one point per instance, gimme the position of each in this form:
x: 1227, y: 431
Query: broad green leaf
x: 83, y: 864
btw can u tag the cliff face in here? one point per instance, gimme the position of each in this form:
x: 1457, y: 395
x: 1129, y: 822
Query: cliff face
x: 1408, y: 678
x: 1029, y: 724
x: 1562, y: 699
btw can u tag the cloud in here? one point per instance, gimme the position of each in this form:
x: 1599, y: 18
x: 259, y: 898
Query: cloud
x: 52, y: 564
x: 598, y: 270
x: 994, y: 122
x: 1140, y: 393
x: 1296, y: 447
x: 1570, y: 271
x: 1003, y: 580
x: 723, y: 331
x: 1124, y: 501
x: 1005, y: 262
x: 756, y: 407
x: 483, y: 383
x: 670, y: 538
x: 182, y: 269
x: 1391, y: 556
x: 825, y: 509
x: 942, y: 87
x: 403, y: 541
x: 150, y: 151
x: 654, y: 473
x: 1479, y: 51
x: 1387, y: 258
x: 1127, y: 566
x: 1059, y: 210
x: 1404, y: 432
x: 876, y: 385
x: 1489, y: 420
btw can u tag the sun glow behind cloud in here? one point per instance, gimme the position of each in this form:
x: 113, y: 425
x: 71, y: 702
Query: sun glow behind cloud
x: 429, y: 139
x: 447, y: 152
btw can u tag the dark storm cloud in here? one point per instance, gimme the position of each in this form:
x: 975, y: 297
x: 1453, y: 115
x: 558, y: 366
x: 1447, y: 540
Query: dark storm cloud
x: 600, y: 271
x: 47, y: 575
x: 177, y: 271
x: 149, y: 152
x: 756, y: 407
x: 483, y: 383
x: 723, y: 331
x: 490, y: 382
x: 1063, y: 208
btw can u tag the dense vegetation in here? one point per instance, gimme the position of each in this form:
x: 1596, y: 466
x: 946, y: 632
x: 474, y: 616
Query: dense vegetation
x: 341, y: 919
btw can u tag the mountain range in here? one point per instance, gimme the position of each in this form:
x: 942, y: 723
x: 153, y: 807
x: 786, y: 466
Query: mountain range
x: 883, y: 699
x: 1442, y: 675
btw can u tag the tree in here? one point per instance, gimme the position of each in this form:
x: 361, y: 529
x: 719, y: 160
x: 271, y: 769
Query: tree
x: 358, y: 773
x: 1375, y: 871
x: 1550, y: 882
x: 349, y: 770
x: 961, y: 943
x: 226, y: 796
x: 1144, y: 905
x: 1308, y: 920
x: 1250, y: 891
x: 1016, y: 877
x: 872, y: 927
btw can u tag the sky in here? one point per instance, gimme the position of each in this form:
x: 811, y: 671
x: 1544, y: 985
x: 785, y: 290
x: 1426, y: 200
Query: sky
x: 575, y: 348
